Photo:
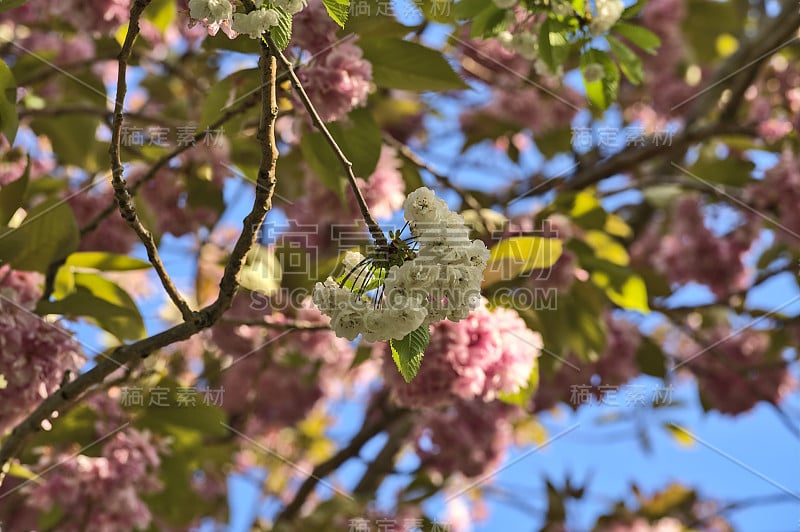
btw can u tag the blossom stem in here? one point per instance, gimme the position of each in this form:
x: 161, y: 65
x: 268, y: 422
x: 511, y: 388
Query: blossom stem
x: 374, y: 228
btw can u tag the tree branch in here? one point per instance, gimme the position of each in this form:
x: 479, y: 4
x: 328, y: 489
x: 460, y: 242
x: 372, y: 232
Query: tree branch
x: 383, y: 464
x: 123, y: 197
x: 243, y: 106
x: 374, y: 229
x: 741, y: 68
x: 386, y: 417
x: 69, y: 393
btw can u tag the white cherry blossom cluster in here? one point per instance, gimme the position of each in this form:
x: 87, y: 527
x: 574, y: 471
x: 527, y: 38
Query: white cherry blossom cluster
x: 608, y: 13
x: 219, y: 13
x: 437, y: 277
x: 526, y: 44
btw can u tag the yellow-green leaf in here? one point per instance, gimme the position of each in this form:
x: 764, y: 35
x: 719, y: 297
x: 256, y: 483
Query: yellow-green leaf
x: 517, y: 255
x: 607, y: 248
x: 682, y: 436
x: 100, y: 260
x: 629, y: 293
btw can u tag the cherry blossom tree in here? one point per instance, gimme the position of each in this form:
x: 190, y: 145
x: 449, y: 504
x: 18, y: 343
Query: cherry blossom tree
x: 222, y: 220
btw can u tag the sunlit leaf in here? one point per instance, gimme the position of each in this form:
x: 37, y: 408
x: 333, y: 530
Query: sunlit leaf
x: 408, y: 352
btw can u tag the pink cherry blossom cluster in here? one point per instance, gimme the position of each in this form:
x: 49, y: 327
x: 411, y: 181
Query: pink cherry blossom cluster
x: 13, y: 160
x: 467, y: 437
x: 101, y: 493
x: 337, y: 78
x: 489, y: 352
x: 12, y: 163
x: 775, y: 100
x: 35, y: 355
x: 690, y: 252
x: 71, y: 49
x: 780, y: 191
x: 337, y: 81
x: 102, y: 16
x: 301, y: 365
x: 734, y: 369
x: 112, y: 234
x: 488, y: 60
x: 614, y: 367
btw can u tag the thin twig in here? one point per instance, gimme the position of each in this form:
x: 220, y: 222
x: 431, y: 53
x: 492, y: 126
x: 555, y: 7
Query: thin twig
x: 123, y: 197
x: 299, y: 325
x: 241, y: 107
x: 374, y: 229
x: 416, y: 160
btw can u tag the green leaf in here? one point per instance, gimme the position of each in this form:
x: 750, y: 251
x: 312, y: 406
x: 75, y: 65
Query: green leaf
x: 629, y: 62
x: 282, y: 33
x: 165, y: 413
x: 730, y: 171
x: 48, y: 234
x: 9, y: 121
x: 586, y: 210
x: 407, y: 353
x: 359, y: 138
x: 701, y: 36
x: 650, y: 358
x: 624, y: 288
x: 467, y: 9
x: 217, y: 99
x: 523, y: 396
x: 373, y: 23
x: 554, y: 141
x: 6, y: 5
x: 633, y: 10
x: 338, y: 10
x: 220, y: 41
x: 74, y: 137
x: 641, y: 37
x: 553, y: 44
x: 601, y: 92
x: 606, y: 247
x: 13, y: 194
x: 102, y: 302
x: 440, y: 11
x: 76, y: 426
x: 399, y: 64
x: 204, y: 193
x: 161, y: 13
x: 661, y: 196
x: 100, y: 260
x: 318, y: 155
x: 20, y: 471
x: 197, y: 441
x: 517, y: 255
x: 489, y: 22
